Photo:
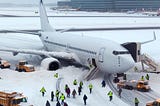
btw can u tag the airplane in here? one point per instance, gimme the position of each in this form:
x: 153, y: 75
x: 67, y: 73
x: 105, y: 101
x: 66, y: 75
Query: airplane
x: 95, y: 53
x: 151, y: 13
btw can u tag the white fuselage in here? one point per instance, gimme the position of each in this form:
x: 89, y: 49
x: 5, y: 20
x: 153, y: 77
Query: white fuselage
x: 85, y: 48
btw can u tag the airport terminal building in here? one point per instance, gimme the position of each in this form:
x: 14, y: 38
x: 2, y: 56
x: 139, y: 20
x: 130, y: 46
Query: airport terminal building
x: 112, y: 5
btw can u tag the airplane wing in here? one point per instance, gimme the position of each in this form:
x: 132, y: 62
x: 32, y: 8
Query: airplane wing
x: 33, y: 32
x: 37, y: 31
x: 58, y: 55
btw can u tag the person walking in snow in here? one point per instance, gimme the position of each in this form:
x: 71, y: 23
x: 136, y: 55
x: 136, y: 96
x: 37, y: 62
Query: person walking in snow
x: 52, y: 96
x: 119, y: 92
x: 47, y: 103
x: 81, y: 84
x: 84, y: 99
x: 74, y: 93
x: 65, y: 104
x: 79, y: 90
x: 147, y: 77
x: 43, y: 90
x: 75, y: 82
x: 90, y: 88
x: 142, y: 78
x: 68, y: 91
x: 136, y: 101
x: 110, y: 94
x: 58, y: 104
x: 65, y: 88
x: 57, y: 95
x: 56, y: 75
x: 62, y: 98
x: 103, y: 83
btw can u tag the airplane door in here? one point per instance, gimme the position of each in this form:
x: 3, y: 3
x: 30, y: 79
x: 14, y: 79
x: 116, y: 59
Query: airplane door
x: 101, y: 55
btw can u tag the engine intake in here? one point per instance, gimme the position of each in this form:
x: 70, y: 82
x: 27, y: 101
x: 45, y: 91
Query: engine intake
x: 50, y: 64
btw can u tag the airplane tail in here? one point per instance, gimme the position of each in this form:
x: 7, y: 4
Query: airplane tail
x: 45, y: 26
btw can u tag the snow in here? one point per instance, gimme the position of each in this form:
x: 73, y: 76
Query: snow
x: 31, y: 83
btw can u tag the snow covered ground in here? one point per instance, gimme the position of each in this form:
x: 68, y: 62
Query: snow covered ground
x: 31, y: 83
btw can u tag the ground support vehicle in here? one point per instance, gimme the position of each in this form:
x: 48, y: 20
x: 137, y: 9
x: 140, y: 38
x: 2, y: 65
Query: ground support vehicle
x: 11, y: 98
x: 133, y: 84
x: 119, y: 76
x: 4, y: 64
x: 23, y: 66
x: 154, y: 103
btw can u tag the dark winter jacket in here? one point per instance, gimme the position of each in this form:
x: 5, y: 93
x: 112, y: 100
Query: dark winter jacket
x: 68, y: 91
x: 103, y: 83
x: 65, y: 104
x: 47, y: 103
x: 58, y: 104
x: 84, y: 97
x: 74, y: 92
x: 52, y: 94
x: 79, y: 89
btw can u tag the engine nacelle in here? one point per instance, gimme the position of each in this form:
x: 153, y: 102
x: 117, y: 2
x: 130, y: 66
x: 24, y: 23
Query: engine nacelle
x: 50, y: 64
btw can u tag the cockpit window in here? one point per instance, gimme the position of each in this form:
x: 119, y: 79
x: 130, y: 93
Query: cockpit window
x: 120, y: 52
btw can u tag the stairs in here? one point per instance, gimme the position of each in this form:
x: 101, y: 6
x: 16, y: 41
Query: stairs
x: 146, y: 59
x: 91, y: 74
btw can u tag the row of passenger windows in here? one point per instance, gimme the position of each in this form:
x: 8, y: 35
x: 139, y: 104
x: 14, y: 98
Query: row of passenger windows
x: 71, y: 47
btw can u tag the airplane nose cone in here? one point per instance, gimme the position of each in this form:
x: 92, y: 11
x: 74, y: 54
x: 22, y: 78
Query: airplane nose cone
x: 126, y: 62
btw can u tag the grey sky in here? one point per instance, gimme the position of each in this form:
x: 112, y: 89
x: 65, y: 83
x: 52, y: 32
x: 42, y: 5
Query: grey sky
x: 28, y: 1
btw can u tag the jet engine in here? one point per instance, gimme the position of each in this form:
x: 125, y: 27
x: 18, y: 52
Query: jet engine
x: 50, y: 64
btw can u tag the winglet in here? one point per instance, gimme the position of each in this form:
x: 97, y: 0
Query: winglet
x: 45, y: 26
x: 154, y: 38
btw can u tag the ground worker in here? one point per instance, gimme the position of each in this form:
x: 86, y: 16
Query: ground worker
x: 75, y: 82
x: 119, y: 92
x: 142, y: 78
x: 79, y: 90
x: 84, y: 99
x: 52, y: 96
x: 124, y: 77
x: 65, y: 104
x: 62, y: 97
x: 103, y: 83
x: 147, y: 77
x: 110, y: 94
x: 68, y: 91
x: 65, y: 88
x: 58, y: 104
x: 90, y: 88
x: 135, y: 69
x: 81, y: 84
x: 57, y: 95
x: 136, y: 101
x: 47, y: 103
x: 74, y: 93
x: 43, y: 90
x: 56, y: 75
